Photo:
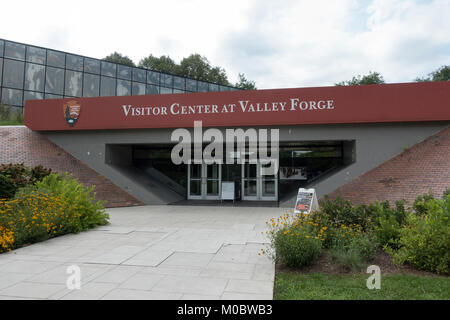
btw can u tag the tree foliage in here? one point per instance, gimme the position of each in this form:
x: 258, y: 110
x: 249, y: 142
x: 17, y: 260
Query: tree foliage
x: 371, y: 78
x: 162, y: 64
x: 194, y: 66
x: 441, y: 74
x: 119, y: 58
x: 245, y: 84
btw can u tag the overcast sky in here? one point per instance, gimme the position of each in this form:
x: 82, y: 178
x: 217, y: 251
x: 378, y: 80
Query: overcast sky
x: 278, y: 44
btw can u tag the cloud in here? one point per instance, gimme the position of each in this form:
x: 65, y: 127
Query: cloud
x: 306, y: 43
x: 289, y: 43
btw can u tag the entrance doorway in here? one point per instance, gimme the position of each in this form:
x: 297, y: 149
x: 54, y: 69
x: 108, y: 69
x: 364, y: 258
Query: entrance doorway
x: 204, y: 181
x: 256, y: 186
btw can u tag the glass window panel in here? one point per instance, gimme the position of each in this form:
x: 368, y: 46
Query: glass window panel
x: 54, y: 80
x: 56, y: 59
x: 268, y: 188
x: 250, y: 170
x: 109, y: 69
x: 202, y: 86
x: 28, y: 95
x: 123, y: 72
x: 37, y: 55
x: 34, y: 77
x: 2, y: 46
x: 178, y: 91
x: 178, y: 83
x: 91, y: 85
x: 14, y: 50
x: 212, y: 171
x: 166, y: 80
x: 195, y: 188
x: 138, y: 75
x: 73, y: 83
x: 250, y: 187
x: 13, y: 74
x: 191, y: 85
x: 196, y: 171
x: 1, y: 70
x: 123, y: 88
x: 165, y: 90
x: 52, y: 96
x: 12, y: 97
x: 74, y: 62
x: 91, y: 65
x: 213, y: 87
x: 153, y: 77
x: 212, y: 187
x: 138, y: 88
x: 108, y: 87
x: 152, y: 89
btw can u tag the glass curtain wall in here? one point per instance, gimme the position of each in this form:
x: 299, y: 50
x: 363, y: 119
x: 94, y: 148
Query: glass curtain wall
x: 29, y: 72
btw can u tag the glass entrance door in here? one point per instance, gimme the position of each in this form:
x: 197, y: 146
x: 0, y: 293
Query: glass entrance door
x: 249, y: 181
x: 212, y: 181
x: 204, y: 181
x: 256, y: 186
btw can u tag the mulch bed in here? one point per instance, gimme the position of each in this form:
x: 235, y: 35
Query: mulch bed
x: 382, y: 259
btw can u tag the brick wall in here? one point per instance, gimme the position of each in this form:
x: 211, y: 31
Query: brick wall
x: 18, y: 144
x: 413, y: 172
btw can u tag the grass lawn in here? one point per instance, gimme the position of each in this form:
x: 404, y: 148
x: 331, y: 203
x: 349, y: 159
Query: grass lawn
x: 321, y: 286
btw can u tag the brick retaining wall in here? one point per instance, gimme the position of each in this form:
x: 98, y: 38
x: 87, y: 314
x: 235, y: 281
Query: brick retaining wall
x: 422, y: 167
x: 18, y: 144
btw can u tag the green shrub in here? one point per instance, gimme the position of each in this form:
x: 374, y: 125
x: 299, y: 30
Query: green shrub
x: 16, y: 176
x: 54, y: 206
x: 295, y: 240
x: 295, y: 247
x: 365, y: 246
x: 352, y: 252
x: 387, y: 221
x: 80, y: 198
x: 387, y: 231
x: 424, y: 240
x: 346, y: 258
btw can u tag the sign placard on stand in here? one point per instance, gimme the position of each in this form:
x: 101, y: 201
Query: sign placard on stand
x: 306, y: 201
x: 227, y: 191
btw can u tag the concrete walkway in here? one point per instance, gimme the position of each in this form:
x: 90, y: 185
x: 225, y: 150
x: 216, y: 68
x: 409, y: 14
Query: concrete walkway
x: 150, y: 252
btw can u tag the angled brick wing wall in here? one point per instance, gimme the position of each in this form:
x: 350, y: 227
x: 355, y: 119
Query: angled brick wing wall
x: 413, y: 172
x: 18, y: 144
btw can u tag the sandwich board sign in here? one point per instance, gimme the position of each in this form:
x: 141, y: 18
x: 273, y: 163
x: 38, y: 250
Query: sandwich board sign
x: 306, y: 201
x: 227, y: 191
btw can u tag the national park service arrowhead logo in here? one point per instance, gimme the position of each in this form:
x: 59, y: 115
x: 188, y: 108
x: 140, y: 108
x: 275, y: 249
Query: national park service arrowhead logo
x: 71, y: 111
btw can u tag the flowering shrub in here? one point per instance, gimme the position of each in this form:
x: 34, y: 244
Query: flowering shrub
x: 296, y: 240
x: 57, y: 205
x: 6, y: 239
x: 78, y: 197
x: 352, y: 233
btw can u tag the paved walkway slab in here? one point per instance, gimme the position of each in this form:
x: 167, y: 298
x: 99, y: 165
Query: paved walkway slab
x: 150, y: 252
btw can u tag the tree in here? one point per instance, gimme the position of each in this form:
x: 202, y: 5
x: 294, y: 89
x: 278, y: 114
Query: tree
x: 198, y: 67
x: 441, y: 74
x: 194, y: 66
x: 371, y: 78
x: 119, y: 58
x: 245, y: 84
x: 162, y: 64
